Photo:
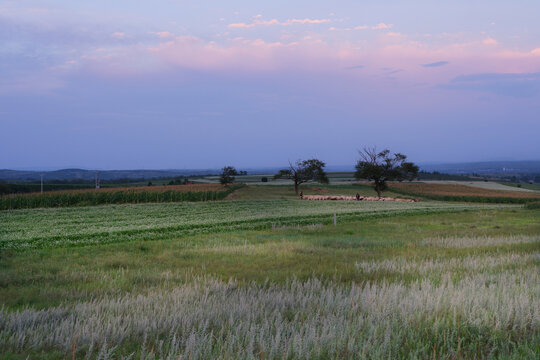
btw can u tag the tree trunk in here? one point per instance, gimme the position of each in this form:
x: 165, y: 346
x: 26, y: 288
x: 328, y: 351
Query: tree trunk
x: 378, y: 189
x: 296, y: 187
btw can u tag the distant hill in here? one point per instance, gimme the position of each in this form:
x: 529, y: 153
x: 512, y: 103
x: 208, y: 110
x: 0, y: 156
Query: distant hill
x: 88, y: 175
x: 481, y: 168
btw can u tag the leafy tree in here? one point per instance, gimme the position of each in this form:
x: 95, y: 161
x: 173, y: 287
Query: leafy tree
x: 381, y: 167
x: 228, y: 174
x: 304, y: 171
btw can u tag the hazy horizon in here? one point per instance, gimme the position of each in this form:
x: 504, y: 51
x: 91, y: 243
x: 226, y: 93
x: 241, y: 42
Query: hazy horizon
x: 330, y: 167
x: 185, y: 85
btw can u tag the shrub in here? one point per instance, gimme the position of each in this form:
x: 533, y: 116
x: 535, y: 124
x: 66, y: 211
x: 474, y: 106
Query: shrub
x: 532, y: 205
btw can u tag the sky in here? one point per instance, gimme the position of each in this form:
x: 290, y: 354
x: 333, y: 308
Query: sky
x: 130, y: 84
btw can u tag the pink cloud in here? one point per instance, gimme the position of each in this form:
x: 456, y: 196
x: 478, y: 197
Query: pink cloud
x: 118, y: 35
x: 382, y: 26
x: 289, y: 22
x: 312, y: 53
x: 240, y: 25
x: 242, y: 53
x: 306, y: 21
x: 163, y: 34
x: 490, y: 41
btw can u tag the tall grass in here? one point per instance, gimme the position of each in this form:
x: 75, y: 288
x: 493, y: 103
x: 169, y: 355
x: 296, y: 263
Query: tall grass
x: 483, y: 315
x: 110, y: 196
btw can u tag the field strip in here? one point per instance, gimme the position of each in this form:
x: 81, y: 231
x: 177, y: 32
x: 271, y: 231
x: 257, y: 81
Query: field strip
x: 481, y: 184
x: 44, y: 228
x: 431, y: 267
x: 485, y: 241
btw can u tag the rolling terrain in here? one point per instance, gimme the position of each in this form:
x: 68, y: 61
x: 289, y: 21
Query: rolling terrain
x: 262, y: 274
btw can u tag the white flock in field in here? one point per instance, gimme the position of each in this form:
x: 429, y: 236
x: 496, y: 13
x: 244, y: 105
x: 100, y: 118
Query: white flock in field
x: 353, y: 198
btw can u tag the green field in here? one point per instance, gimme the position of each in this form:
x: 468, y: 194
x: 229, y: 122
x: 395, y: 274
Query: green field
x: 264, y: 275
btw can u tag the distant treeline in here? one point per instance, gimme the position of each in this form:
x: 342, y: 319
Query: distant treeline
x: 92, y: 182
x: 535, y: 178
x: 75, y: 184
x: 30, y: 188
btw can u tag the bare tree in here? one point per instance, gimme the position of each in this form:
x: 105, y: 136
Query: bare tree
x: 381, y: 167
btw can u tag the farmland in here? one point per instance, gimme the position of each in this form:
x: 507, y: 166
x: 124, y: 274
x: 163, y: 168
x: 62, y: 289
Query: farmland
x: 118, y: 195
x: 37, y: 228
x: 265, y: 275
x: 457, y: 192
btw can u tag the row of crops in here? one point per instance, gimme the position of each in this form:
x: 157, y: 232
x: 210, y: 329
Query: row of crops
x: 86, y: 198
x: 42, y: 228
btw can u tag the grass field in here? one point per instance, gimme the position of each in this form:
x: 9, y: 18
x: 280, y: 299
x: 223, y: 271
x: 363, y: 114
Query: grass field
x: 266, y: 276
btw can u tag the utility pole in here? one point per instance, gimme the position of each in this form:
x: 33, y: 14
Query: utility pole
x: 41, y: 175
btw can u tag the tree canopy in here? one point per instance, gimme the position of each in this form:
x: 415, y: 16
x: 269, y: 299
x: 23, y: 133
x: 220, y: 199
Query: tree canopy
x: 381, y: 167
x: 228, y: 174
x: 304, y: 171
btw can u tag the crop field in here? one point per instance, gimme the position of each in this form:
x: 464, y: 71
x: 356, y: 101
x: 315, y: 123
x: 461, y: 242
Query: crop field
x: 119, y: 195
x: 265, y: 276
x: 39, y: 228
x: 455, y: 192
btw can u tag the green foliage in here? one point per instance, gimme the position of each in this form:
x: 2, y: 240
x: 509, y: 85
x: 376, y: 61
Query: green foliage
x: 382, y: 167
x: 304, y: 171
x: 228, y: 175
x: 532, y: 205
x: 178, y: 181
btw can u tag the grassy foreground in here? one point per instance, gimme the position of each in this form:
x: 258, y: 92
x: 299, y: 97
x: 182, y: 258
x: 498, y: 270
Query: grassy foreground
x: 267, y: 276
x: 432, y: 281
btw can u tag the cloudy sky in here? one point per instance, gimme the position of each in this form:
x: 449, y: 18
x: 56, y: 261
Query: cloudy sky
x: 199, y: 83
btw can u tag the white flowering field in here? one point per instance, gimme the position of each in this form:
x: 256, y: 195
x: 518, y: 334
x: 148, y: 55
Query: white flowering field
x: 39, y: 228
